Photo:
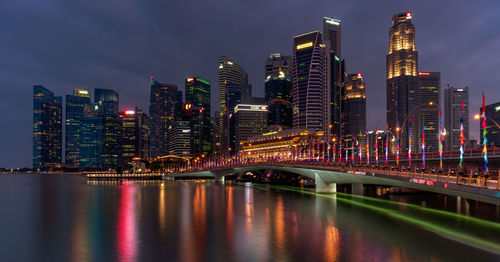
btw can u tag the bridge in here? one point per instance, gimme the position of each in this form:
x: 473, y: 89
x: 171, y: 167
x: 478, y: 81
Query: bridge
x: 326, y: 176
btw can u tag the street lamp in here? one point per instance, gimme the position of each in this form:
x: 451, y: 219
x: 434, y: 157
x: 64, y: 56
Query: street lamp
x: 478, y: 116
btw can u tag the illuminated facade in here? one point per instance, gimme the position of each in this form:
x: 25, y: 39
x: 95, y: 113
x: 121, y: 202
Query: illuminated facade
x: 308, y: 81
x: 277, y: 62
x: 135, y: 136
x: 47, y: 127
x: 354, y: 105
x: 402, y: 78
x: 90, y: 139
x: 164, y: 99
x: 180, y: 138
x: 429, y: 104
x: 75, y: 105
x: 198, y: 95
x: 249, y: 120
x: 233, y: 89
x: 278, y: 97
x: 453, y: 99
x: 335, y: 76
x: 111, y: 127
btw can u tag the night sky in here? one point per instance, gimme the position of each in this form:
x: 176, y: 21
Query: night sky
x: 118, y: 44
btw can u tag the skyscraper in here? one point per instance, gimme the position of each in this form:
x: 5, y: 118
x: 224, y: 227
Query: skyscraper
x: 90, y: 139
x: 402, y: 79
x: 135, y: 134
x: 354, y: 104
x: 47, y: 127
x: 278, y: 97
x: 75, y: 105
x: 249, y: 120
x: 429, y: 104
x: 308, y: 88
x: 276, y: 62
x: 164, y: 99
x: 233, y: 89
x: 198, y: 95
x: 111, y: 127
x: 335, y: 76
x: 453, y: 99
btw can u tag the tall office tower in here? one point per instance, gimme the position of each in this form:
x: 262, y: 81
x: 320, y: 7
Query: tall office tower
x: 90, y: 139
x: 278, y: 97
x: 309, y: 82
x: 47, y: 127
x: 164, y: 100
x: 277, y: 62
x: 233, y: 90
x: 492, y: 113
x: 75, y: 105
x: 249, y: 120
x: 354, y: 105
x: 135, y: 135
x: 453, y: 99
x: 402, y: 79
x: 216, y: 133
x: 111, y: 127
x: 198, y: 96
x: 180, y: 138
x: 335, y: 75
x: 429, y: 104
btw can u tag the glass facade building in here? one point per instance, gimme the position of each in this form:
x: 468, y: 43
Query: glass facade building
x: 197, y: 94
x: 111, y: 127
x: 75, y: 106
x: 278, y: 97
x: 354, y: 105
x: 453, y: 99
x: 249, y: 121
x: 429, y: 104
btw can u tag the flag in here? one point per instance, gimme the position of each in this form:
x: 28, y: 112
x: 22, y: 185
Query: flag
x: 485, y: 141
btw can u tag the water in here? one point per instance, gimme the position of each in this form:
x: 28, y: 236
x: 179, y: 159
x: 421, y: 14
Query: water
x: 65, y: 218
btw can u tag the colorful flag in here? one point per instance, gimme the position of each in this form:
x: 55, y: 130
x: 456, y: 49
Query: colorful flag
x: 409, y: 141
x: 485, y: 141
x: 441, y: 139
x: 462, y: 138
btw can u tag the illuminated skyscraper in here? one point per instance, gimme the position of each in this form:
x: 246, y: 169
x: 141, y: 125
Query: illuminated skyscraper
x: 277, y: 62
x: 249, y: 120
x: 308, y: 88
x: 90, y: 139
x: 429, y: 98
x: 233, y: 90
x: 164, y: 99
x: 354, y: 105
x: 135, y: 135
x: 278, y: 97
x: 453, y: 99
x: 198, y: 95
x: 402, y: 78
x: 335, y: 76
x: 111, y: 127
x: 75, y: 105
x: 47, y: 127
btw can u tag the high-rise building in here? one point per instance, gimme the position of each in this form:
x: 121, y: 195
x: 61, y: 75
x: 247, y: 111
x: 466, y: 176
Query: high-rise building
x: 277, y: 62
x: 492, y: 113
x: 278, y: 97
x: 402, y: 79
x: 453, y: 99
x: 429, y: 104
x: 135, y: 135
x: 90, y: 138
x: 111, y: 127
x: 164, y: 100
x: 180, y: 138
x: 198, y: 95
x: 47, y: 127
x: 249, y: 120
x: 75, y: 105
x: 335, y: 76
x: 354, y: 105
x: 233, y: 90
x: 308, y: 77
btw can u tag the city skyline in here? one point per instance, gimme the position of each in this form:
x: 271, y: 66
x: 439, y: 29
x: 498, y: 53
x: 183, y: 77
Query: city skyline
x: 254, y: 66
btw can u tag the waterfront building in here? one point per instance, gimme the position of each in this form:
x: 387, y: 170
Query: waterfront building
x: 453, y: 99
x: 249, y: 120
x: 135, y: 136
x: 276, y: 62
x: 111, y: 127
x: 492, y: 113
x: 278, y: 97
x: 198, y: 96
x: 47, y: 128
x: 402, y: 79
x: 90, y: 138
x: 233, y: 90
x: 429, y: 104
x: 335, y: 76
x: 354, y: 105
x: 180, y: 138
x: 164, y: 99
x: 75, y: 106
x: 308, y: 77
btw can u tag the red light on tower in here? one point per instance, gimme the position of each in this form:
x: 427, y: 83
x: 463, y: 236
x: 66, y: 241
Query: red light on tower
x: 151, y: 77
x: 129, y: 112
x: 360, y: 75
x: 408, y: 14
x: 190, y: 79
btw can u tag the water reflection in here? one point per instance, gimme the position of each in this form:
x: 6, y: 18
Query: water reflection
x: 126, y: 225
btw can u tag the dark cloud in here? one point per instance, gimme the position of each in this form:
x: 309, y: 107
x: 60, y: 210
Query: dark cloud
x: 118, y: 43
